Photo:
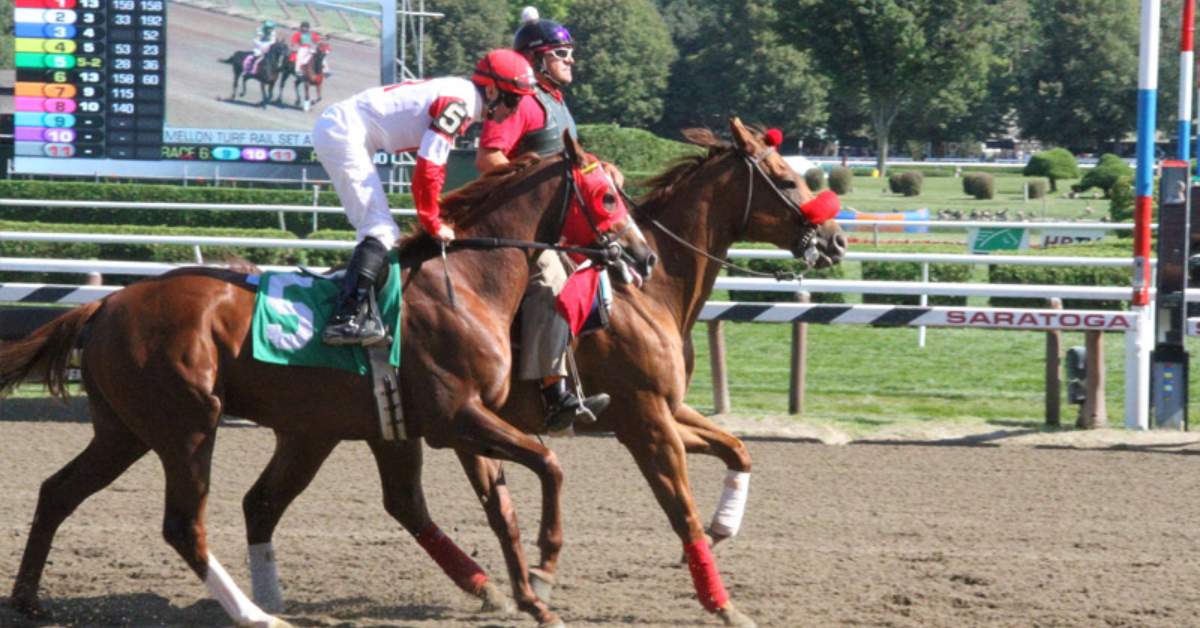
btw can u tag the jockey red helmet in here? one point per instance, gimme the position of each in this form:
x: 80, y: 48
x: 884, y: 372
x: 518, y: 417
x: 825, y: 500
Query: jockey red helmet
x: 505, y: 70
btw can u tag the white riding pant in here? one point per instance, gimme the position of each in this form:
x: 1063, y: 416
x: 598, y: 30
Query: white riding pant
x: 340, y: 139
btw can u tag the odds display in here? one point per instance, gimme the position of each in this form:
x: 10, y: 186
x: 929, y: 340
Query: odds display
x: 91, y: 78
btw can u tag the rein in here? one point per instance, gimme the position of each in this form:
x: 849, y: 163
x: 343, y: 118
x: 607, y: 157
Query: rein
x: 752, y: 166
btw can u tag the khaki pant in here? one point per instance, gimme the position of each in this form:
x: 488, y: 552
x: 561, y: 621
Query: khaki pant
x: 544, y: 333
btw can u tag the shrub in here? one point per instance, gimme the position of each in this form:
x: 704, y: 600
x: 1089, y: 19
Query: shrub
x: 1037, y: 189
x: 1105, y: 175
x: 906, y: 183
x: 1054, y: 164
x: 911, y: 271
x: 792, y: 266
x: 841, y: 180
x: 1120, y: 202
x: 1064, y: 275
x: 815, y: 178
x: 633, y: 149
x: 980, y: 185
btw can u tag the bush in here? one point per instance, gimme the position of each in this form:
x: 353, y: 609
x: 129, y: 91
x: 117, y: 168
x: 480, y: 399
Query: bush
x: 1036, y: 189
x: 1105, y: 175
x: 173, y: 253
x: 1054, y: 164
x: 815, y: 178
x: 297, y: 223
x: 1120, y: 202
x: 911, y: 271
x: 906, y: 183
x: 980, y: 185
x: 841, y: 180
x: 792, y: 266
x: 633, y: 149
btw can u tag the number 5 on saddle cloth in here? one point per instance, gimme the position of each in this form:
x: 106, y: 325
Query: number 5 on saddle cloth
x: 291, y: 308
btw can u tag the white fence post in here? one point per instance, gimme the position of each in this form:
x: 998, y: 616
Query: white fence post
x: 1138, y: 343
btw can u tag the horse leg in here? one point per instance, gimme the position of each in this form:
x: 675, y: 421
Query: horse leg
x: 187, y: 465
x: 701, y: 435
x: 656, y: 446
x: 399, y: 465
x: 477, y: 431
x: 236, y: 75
x: 112, y: 450
x: 294, y: 464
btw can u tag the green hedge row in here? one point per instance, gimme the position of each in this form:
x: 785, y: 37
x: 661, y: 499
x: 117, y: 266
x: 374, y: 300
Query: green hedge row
x: 299, y: 224
x: 1066, y: 275
x: 911, y: 271
x: 791, y: 266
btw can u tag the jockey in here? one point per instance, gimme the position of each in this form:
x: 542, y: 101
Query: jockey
x: 421, y: 116
x: 303, y: 43
x: 537, y: 126
x: 264, y: 38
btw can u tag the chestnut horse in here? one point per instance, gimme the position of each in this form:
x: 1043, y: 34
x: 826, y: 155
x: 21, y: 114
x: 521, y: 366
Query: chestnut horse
x: 644, y: 361
x: 163, y: 359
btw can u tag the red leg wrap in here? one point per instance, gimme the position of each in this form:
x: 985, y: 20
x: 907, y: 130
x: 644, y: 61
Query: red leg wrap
x: 705, y: 576
x: 462, y: 570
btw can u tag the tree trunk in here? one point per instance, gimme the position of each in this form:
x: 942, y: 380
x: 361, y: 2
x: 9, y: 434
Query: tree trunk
x: 881, y: 118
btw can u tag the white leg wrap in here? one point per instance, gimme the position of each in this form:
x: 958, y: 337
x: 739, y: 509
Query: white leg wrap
x: 728, y: 517
x: 240, y: 609
x: 264, y: 577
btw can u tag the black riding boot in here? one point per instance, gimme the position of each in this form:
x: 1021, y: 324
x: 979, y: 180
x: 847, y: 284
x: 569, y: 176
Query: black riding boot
x: 355, y: 319
x: 563, y: 407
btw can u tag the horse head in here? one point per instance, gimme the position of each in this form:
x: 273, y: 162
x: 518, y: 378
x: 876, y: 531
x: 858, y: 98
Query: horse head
x: 598, y: 215
x: 781, y: 209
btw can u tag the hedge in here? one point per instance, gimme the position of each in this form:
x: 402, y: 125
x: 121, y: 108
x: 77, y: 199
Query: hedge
x: 1105, y: 175
x: 791, y: 266
x: 815, y: 179
x: 980, y: 185
x: 173, y: 253
x: 633, y: 149
x: 299, y: 224
x: 841, y: 180
x: 1065, y: 275
x: 906, y: 183
x: 1036, y: 189
x: 911, y: 271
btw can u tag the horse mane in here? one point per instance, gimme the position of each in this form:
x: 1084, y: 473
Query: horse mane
x: 663, y: 184
x: 465, y: 204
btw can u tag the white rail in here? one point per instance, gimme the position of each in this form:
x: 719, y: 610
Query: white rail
x: 299, y: 209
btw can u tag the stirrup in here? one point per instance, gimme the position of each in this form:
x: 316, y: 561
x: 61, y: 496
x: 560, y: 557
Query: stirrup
x: 364, y: 326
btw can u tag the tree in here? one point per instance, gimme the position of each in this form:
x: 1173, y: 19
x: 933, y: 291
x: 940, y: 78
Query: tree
x: 624, y: 54
x: 471, y: 28
x: 892, y: 52
x: 738, y: 65
x: 1054, y: 164
x: 1078, y: 81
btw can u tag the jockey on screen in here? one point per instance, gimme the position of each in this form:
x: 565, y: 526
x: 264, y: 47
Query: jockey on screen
x: 264, y: 38
x: 303, y: 43
x: 537, y: 126
x: 422, y: 116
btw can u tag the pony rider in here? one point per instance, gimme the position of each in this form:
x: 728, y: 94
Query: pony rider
x: 537, y: 126
x: 264, y: 38
x: 303, y: 44
x: 424, y: 116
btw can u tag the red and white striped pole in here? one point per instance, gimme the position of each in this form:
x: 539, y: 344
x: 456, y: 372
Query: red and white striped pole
x: 1186, y: 69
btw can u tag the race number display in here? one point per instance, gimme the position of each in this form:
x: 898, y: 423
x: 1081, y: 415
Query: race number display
x: 90, y: 78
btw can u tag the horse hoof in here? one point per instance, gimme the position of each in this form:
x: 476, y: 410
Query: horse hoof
x: 276, y: 622
x: 733, y: 617
x: 542, y: 583
x: 554, y: 622
x: 494, y: 601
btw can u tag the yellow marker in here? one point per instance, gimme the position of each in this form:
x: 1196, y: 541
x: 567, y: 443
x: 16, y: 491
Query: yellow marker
x: 52, y: 46
x: 590, y: 167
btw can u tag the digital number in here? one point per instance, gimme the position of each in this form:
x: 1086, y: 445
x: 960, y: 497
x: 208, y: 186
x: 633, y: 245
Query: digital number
x: 61, y: 4
x: 89, y: 77
x: 152, y: 5
x: 88, y: 92
x: 89, y: 106
x: 149, y: 50
x: 122, y: 19
x: 123, y: 107
x: 58, y: 91
x: 60, y: 17
x: 122, y: 93
x: 151, y: 34
x: 89, y: 33
x: 63, y: 136
x: 123, y: 79
x: 123, y: 63
x: 59, y: 46
x: 89, y: 4
x: 122, y: 49
x: 123, y: 5
x: 58, y: 76
x: 89, y: 62
x: 58, y: 150
x: 150, y: 65
x: 150, y: 79
x: 151, y: 20
x: 89, y: 18
x: 60, y: 32
x: 88, y: 47
x: 58, y: 121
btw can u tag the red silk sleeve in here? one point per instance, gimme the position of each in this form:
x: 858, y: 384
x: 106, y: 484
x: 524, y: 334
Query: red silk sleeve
x: 427, y: 182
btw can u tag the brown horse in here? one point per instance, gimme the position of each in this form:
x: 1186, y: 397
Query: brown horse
x: 163, y: 359
x: 643, y: 360
x: 312, y: 73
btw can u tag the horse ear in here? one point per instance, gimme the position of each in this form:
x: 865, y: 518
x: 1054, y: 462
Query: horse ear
x: 742, y: 137
x: 573, y: 148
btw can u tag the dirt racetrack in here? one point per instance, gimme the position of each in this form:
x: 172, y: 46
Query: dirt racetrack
x: 907, y: 533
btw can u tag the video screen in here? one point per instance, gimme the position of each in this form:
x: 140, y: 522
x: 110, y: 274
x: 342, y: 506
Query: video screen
x: 185, y: 87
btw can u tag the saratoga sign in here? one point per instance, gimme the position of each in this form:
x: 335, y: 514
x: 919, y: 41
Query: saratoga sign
x: 1040, y: 319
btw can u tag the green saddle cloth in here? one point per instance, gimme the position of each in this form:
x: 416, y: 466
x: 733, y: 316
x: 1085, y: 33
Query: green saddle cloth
x: 290, y: 310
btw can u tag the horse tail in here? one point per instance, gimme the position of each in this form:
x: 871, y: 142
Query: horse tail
x: 46, y: 352
x: 229, y: 60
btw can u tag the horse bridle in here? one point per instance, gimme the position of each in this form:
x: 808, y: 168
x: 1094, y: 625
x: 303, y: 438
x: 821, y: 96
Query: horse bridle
x: 753, y: 164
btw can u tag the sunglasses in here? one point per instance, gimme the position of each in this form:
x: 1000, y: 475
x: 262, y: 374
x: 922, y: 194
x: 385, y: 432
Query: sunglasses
x: 566, y: 54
